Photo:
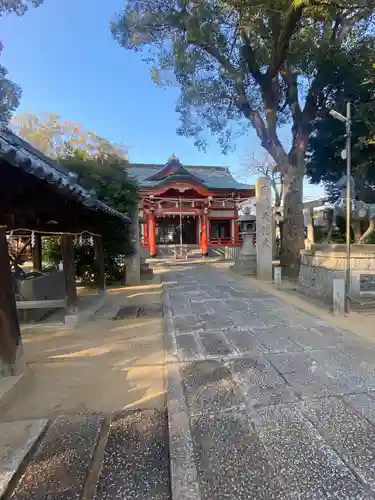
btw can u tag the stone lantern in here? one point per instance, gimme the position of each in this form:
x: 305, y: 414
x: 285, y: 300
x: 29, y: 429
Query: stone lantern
x: 246, y: 262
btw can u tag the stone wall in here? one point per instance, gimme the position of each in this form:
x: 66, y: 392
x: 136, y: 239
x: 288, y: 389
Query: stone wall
x: 323, y: 263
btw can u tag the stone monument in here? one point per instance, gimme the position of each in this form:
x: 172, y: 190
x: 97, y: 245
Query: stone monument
x: 133, y: 268
x: 246, y: 262
x: 264, y: 229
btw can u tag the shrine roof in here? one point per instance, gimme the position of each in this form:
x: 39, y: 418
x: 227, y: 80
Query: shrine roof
x: 213, y: 177
x: 20, y: 154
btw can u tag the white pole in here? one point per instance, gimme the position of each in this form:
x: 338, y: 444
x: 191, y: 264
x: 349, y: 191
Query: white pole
x: 348, y: 206
x: 180, y: 226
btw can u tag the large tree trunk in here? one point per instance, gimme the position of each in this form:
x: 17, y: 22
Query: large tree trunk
x: 293, y: 225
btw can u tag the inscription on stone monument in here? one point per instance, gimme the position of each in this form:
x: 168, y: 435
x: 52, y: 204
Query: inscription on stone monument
x: 264, y: 229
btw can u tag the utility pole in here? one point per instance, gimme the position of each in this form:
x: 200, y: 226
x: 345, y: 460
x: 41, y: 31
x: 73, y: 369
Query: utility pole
x: 348, y: 122
x: 348, y: 204
x: 180, y: 227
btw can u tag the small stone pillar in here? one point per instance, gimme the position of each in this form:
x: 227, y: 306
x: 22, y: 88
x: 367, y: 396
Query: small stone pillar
x: 133, y: 269
x: 264, y: 229
x: 277, y: 277
x: 338, y: 296
x: 246, y: 262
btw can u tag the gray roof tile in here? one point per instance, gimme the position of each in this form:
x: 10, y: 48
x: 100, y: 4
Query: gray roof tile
x: 213, y: 177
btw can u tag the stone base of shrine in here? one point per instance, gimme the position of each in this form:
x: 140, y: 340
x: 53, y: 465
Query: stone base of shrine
x: 245, y: 265
x: 193, y: 251
x: 323, y: 263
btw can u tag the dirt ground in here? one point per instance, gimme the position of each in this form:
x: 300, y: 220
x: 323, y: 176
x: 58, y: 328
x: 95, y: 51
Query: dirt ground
x: 102, y: 366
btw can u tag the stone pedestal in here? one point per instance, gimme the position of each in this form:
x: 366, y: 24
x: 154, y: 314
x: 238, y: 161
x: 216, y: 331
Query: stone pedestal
x: 264, y: 229
x: 246, y: 262
x: 146, y: 270
x: 323, y: 263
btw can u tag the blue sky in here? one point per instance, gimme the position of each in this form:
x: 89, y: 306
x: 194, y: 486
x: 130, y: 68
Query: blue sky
x: 63, y: 56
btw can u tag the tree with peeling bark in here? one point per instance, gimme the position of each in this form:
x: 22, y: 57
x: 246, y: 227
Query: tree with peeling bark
x: 261, y: 62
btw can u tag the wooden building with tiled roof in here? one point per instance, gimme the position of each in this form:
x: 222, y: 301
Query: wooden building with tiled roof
x: 187, y: 206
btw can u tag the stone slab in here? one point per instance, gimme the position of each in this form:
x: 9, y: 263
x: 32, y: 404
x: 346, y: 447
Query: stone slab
x: 306, y: 466
x: 16, y: 440
x: 209, y: 388
x: 215, y: 344
x: 231, y: 461
x: 348, y: 433
x: 59, y: 467
x: 245, y: 341
x: 259, y: 382
x: 136, y: 463
x: 188, y: 347
x: 277, y: 339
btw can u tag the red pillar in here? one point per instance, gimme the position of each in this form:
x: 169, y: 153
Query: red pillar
x: 236, y: 230
x: 152, y: 233
x: 204, y: 237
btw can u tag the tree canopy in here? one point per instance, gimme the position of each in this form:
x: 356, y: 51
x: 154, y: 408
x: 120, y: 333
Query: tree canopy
x: 18, y: 7
x: 10, y: 95
x: 108, y: 177
x: 263, y: 63
x: 100, y: 165
x: 357, y: 86
x: 56, y: 137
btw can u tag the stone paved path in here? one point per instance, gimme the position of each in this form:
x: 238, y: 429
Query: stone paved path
x: 264, y: 401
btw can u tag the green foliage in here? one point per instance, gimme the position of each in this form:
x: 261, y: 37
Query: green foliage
x: 51, y: 251
x: 10, y: 94
x: 236, y: 59
x: 108, y: 177
x: 354, y: 83
x: 263, y: 63
x: 101, y: 166
x: 18, y: 7
x: 55, y: 137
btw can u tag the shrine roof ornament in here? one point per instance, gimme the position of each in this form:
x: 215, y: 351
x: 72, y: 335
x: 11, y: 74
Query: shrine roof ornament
x: 174, y: 169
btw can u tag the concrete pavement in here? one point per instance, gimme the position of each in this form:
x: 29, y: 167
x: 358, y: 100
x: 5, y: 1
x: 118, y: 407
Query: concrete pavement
x: 264, y: 400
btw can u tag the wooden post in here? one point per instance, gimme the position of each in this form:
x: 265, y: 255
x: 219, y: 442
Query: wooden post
x: 236, y: 236
x: 10, y: 335
x: 99, y: 264
x: 204, y: 238
x: 68, y: 266
x: 152, y: 233
x: 37, y: 253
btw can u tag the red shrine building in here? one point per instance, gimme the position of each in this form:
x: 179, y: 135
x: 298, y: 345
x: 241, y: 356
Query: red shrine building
x: 190, y: 207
